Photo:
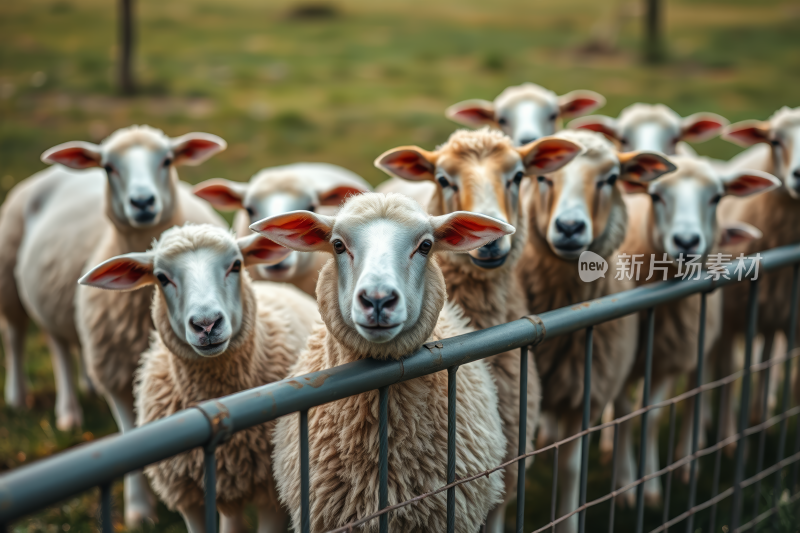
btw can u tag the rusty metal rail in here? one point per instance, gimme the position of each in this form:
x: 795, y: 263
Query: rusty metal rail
x: 97, y: 464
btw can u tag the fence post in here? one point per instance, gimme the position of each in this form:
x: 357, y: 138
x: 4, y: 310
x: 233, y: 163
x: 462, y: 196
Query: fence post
x: 523, y: 435
x: 305, y: 508
x: 451, y: 448
x: 698, y: 401
x: 106, y: 525
x: 383, y: 431
x: 648, y: 370
x: 587, y: 409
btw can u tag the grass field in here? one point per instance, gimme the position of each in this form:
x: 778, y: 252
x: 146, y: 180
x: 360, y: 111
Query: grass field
x: 342, y: 89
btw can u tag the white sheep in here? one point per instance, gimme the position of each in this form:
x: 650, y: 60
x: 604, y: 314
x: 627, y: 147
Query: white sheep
x: 677, y: 215
x: 319, y: 187
x: 78, y: 219
x: 775, y: 149
x: 654, y: 127
x: 217, y: 333
x: 382, y: 296
x: 481, y: 172
x: 575, y: 209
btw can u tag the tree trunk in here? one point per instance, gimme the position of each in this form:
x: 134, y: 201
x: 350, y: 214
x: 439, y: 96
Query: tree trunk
x: 126, y: 83
x: 653, y: 52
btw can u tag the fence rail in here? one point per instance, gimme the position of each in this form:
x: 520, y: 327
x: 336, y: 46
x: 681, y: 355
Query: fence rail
x: 97, y: 464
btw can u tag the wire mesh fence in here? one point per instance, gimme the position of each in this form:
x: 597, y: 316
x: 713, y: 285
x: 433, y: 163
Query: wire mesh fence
x: 760, y: 483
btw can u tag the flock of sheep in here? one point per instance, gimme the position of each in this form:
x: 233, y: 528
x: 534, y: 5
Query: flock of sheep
x: 506, y: 210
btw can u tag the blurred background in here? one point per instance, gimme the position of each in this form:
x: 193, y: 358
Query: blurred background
x: 341, y: 82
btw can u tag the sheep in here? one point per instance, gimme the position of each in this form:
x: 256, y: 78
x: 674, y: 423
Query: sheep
x: 678, y: 217
x: 382, y: 296
x: 271, y: 191
x: 525, y: 112
x: 217, y: 333
x: 576, y: 209
x: 654, y: 127
x: 481, y: 172
x: 775, y: 149
x: 83, y: 218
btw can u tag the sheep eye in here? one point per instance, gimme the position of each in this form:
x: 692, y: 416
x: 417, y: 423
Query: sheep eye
x: 543, y: 180
x: 162, y: 279
x: 250, y: 211
x: 109, y: 169
x: 775, y: 142
x: 624, y: 140
x: 445, y: 183
x: 236, y: 266
x: 338, y: 246
x: 656, y: 197
x: 716, y: 199
x: 425, y: 247
x: 553, y: 117
x: 502, y: 121
x: 612, y: 179
x: 518, y: 177
x: 311, y: 208
x: 167, y: 162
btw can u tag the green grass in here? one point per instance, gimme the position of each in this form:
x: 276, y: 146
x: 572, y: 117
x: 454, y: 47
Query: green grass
x: 343, y: 89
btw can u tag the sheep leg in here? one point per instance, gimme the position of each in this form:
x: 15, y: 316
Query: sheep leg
x: 496, y: 520
x: 234, y: 523
x: 272, y: 520
x: 85, y: 383
x: 652, y: 487
x: 140, y: 503
x: 569, y: 471
x: 547, y: 431
x: 14, y: 330
x: 195, y: 518
x: 68, y: 410
x: 626, y: 464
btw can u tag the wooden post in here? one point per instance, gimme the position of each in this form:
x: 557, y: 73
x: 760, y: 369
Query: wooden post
x: 653, y: 53
x: 126, y: 83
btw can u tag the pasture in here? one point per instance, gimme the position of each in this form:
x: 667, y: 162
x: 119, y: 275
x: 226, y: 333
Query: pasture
x: 341, y: 85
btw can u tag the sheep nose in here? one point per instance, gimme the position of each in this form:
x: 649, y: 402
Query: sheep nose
x: 143, y: 202
x: 686, y: 241
x: 205, y: 324
x: 527, y: 140
x: 570, y: 227
x: 374, y: 302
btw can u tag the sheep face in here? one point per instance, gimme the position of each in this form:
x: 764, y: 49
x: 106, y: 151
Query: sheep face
x: 481, y: 172
x: 140, y: 165
x: 270, y: 193
x: 572, y: 206
x: 382, y: 247
x: 198, y: 272
x: 782, y: 133
x: 525, y: 112
x: 684, y: 207
x: 654, y: 128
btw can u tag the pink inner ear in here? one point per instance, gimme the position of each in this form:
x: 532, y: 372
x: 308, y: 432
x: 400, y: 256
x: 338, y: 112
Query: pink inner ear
x: 196, y: 147
x: 632, y: 188
x: 407, y: 162
x: 475, y: 114
x: 746, y: 184
x: 702, y: 126
x: 265, y: 248
x: 119, y: 274
x: 466, y: 229
x: 219, y: 195
x: 578, y: 106
x: 301, y: 228
x: 336, y: 196
x: 74, y: 158
x: 748, y: 135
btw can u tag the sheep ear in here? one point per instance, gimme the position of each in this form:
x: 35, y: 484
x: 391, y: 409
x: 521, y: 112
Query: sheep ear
x: 408, y: 162
x: 258, y: 250
x: 223, y: 194
x: 739, y: 233
x: 122, y: 273
x: 747, y: 132
x: 548, y: 154
x: 631, y: 187
x: 599, y: 123
x: 749, y: 182
x: 303, y: 231
x: 74, y: 154
x: 336, y: 196
x: 194, y: 148
x: 702, y: 127
x: 643, y: 167
x: 473, y: 113
x: 463, y: 231
x: 578, y: 103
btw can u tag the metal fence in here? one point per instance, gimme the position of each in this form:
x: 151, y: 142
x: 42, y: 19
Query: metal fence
x: 97, y: 464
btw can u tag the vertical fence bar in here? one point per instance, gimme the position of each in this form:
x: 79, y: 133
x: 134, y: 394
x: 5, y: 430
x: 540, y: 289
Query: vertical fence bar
x: 523, y: 439
x: 698, y: 401
x: 614, y: 456
x: 451, y: 448
x: 717, y: 462
x: 793, y: 486
x: 744, y: 409
x: 210, y: 464
x: 383, y: 431
x: 305, y: 485
x: 670, y: 457
x: 762, y: 435
x: 648, y: 369
x: 554, y: 490
x: 106, y: 525
x: 791, y: 332
x: 587, y: 407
